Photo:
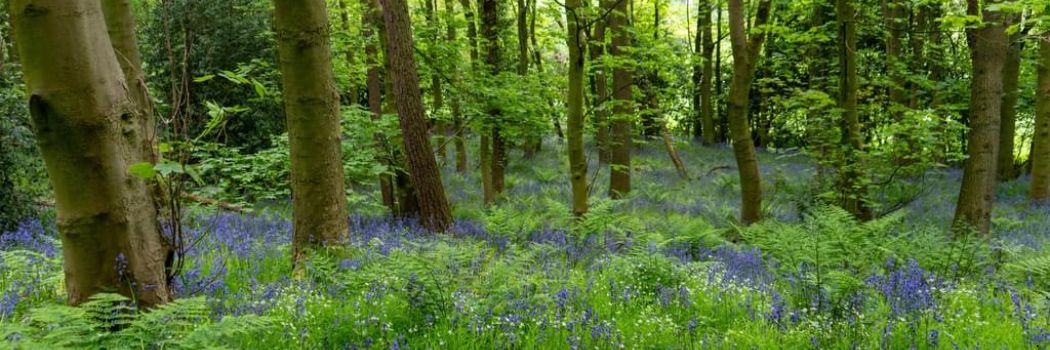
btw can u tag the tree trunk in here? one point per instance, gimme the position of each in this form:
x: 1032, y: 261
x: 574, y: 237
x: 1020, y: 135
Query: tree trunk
x: 601, y: 87
x: 437, y: 98
x: 422, y: 167
x: 852, y: 189
x: 311, y: 104
x: 893, y: 15
x: 679, y: 166
x: 707, y: 112
x: 1040, y: 190
x: 918, y: 43
x: 120, y: 24
x: 490, y: 31
x: 372, y: 20
x: 623, y: 110
x: 745, y: 56
x: 723, y: 120
x: 485, y: 158
x: 472, y: 31
x: 1007, y: 170
x: 458, y: 125
x: 88, y: 130
x: 988, y: 52
x: 352, y: 92
x: 574, y: 103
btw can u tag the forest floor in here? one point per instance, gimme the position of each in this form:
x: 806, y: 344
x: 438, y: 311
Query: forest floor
x: 666, y: 268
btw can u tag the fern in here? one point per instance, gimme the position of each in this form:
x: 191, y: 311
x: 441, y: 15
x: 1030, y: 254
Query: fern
x: 109, y: 321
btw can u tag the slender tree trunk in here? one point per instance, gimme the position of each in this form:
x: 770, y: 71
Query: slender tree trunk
x: 472, y: 31
x: 601, y: 86
x: 697, y: 61
x: 372, y: 19
x: 621, y: 120
x: 1007, y: 169
x: 485, y: 157
x: 574, y: 103
x: 490, y: 32
x: 679, y: 166
x: 723, y: 120
x: 458, y: 125
x: 852, y: 189
x: 918, y: 44
x: 437, y: 98
x: 423, y: 169
x: 893, y: 11
x: 1040, y: 190
x: 344, y: 16
x: 87, y: 129
x: 745, y: 56
x: 311, y: 103
x: 988, y: 52
x: 707, y: 111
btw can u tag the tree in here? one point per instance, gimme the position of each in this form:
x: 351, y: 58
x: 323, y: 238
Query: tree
x: 1007, y: 170
x: 422, y: 167
x: 852, y: 188
x: 600, y: 84
x: 746, y: 52
x: 706, y: 45
x: 311, y: 103
x: 497, y: 157
x: 988, y: 46
x: 372, y: 22
x: 457, y: 110
x: 621, y: 123
x: 1040, y: 190
x: 120, y: 24
x: 574, y: 104
x: 88, y: 130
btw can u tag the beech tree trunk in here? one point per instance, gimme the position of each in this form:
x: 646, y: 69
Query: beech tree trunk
x: 851, y: 185
x: 988, y: 46
x: 1040, y: 190
x: 458, y: 125
x: 893, y: 14
x: 574, y: 103
x: 311, y: 104
x: 437, y: 97
x: 745, y: 56
x: 372, y: 20
x: 88, y: 129
x: 601, y: 86
x: 490, y: 32
x: 435, y: 214
x: 120, y: 24
x: 1007, y: 169
x: 623, y: 109
x: 707, y: 111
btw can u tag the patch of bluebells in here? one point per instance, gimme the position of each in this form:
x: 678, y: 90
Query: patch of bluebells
x: 908, y: 290
x: 33, y: 236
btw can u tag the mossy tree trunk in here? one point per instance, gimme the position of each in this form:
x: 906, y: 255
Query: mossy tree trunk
x: 88, y: 129
x: 746, y: 50
x: 372, y: 22
x: 852, y: 187
x: 435, y: 214
x: 601, y: 86
x: 574, y: 104
x: 458, y: 124
x: 1040, y: 190
x: 707, y: 111
x: 311, y: 105
x: 1007, y: 169
x: 622, y: 119
x: 988, y: 46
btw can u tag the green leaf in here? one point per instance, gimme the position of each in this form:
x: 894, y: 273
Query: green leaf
x: 167, y: 168
x: 204, y: 78
x: 143, y: 170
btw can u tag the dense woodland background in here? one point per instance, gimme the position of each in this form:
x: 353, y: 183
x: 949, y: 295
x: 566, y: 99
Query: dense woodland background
x: 524, y: 174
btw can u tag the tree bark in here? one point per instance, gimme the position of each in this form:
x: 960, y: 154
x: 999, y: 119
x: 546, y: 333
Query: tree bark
x: 988, y: 52
x: 1040, y: 190
x: 490, y: 32
x: 745, y: 56
x: 120, y: 24
x: 372, y: 22
x: 437, y: 98
x: 311, y: 104
x: 87, y: 128
x: 893, y: 15
x: 1007, y: 169
x: 623, y: 109
x: 458, y: 123
x: 707, y: 111
x: 574, y: 103
x: 423, y: 170
x: 852, y: 189
x: 601, y: 86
